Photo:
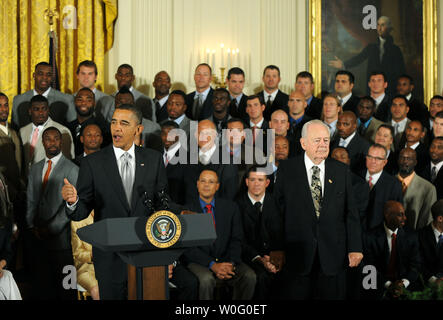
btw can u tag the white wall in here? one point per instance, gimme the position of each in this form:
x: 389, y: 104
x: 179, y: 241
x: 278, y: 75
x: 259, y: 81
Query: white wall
x: 154, y: 35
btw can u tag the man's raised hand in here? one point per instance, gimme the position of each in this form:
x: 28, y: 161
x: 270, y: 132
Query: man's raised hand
x: 69, y: 193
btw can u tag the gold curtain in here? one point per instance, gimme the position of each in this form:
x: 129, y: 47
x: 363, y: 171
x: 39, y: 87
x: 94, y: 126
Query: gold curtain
x: 84, y: 32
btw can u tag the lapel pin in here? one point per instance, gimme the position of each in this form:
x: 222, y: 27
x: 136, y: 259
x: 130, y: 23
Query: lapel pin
x: 330, y: 181
x: 142, y: 164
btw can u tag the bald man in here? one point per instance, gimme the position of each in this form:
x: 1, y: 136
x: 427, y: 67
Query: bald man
x: 394, y: 251
x: 162, y: 85
x: 209, y: 156
x: 349, y: 138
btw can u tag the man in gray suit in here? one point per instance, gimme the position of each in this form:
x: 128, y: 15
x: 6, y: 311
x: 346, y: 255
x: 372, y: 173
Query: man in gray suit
x: 87, y: 73
x: 49, y: 231
x: 125, y: 78
x: 31, y: 134
x: 61, y: 105
x: 418, y: 194
x: 176, y: 107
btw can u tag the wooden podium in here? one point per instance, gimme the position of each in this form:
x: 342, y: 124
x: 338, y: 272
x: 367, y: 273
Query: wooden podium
x: 147, y: 264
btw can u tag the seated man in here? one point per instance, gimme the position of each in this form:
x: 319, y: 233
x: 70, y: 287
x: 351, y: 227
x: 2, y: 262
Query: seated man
x: 397, y: 259
x: 220, y: 262
x: 431, y: 246
x: 8, y: 287
x: 262, y: 233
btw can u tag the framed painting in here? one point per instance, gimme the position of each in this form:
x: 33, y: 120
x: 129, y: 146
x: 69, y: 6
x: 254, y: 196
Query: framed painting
x: 394, y: 36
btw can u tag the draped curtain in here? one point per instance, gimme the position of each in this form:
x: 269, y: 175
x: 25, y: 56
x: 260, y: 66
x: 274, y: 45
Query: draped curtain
x: 84, y: 32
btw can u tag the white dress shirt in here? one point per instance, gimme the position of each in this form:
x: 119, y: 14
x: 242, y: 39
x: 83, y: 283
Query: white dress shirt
x: 409, y: 96
x: 438, y: 166
x: 344, y: 142
x: 375, y: 177
x: 54, y: 161
x: 205, y: 156
x: 45, y: 94
x: 345, y: 99
x: 259, y: 124
x: 308, y: 165
x: 414, y: 146
x: 118, y: 154
x: 267, y: 94
x: 389, y: 234
x: 163, y: 100
x: 401, y: 125
x: 379, y: 99
x: 179, y: 119
x: 4, y: 128
x: 204, y: 94
x: 169, y: 154
x: 332, y: 127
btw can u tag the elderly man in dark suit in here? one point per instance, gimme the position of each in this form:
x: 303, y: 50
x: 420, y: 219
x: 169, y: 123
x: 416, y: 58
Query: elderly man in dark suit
x: 221, y: 262
x: 61, y: 105
x: 394, y: 251
x: 431, y: 245
x: 322, y: 225
x: 111, y: 182
x: 49, y: 227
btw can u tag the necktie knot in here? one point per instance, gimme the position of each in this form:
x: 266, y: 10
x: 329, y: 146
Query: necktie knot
x: 258, y: 206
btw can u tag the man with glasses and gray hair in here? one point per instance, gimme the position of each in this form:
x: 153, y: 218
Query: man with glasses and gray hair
x: 383, y: 186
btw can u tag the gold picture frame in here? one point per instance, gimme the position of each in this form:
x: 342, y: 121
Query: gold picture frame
x: 430, y: 37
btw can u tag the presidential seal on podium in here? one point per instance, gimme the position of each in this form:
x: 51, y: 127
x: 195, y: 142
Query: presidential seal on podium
x: 163, y: 229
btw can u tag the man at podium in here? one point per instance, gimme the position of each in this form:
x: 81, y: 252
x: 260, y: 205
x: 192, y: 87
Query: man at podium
x: 112, y: 182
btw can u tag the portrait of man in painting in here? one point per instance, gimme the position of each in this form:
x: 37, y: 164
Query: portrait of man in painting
x: 363, y: 36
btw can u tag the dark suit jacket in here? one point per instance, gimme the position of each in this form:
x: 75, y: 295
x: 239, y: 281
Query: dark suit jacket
x: 361, y: 195
x: 431, y: 257
x: 423, y: 157
x: 418, y: 111
x: 207, y: 108
x: 280, y: 103
x: 100, y: 188
x: 261, y: 140
x: 227, y: 176
x: 383, y: 112
x: 386, y: 188
x: 240, y: 111
x: 315, y: 108
x: 351, y: 104
x: 392, y: 166
x: 228, y: 245
x: 357, y: 149
x: 295, y: 134
x: 334, y: 234
x: 176, y: 183
x: 425, y: 173
x: 162, y: 113
x: 260, y: 235
x: 376, y: 253
x: 392, y: 62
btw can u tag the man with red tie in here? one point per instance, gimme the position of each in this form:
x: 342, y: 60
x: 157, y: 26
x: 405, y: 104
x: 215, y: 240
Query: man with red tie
x: 394, y: 251
x: 49, y: 237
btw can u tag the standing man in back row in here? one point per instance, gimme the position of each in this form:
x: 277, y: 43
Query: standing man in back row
x: 273, y: 97
x: 199, y: 102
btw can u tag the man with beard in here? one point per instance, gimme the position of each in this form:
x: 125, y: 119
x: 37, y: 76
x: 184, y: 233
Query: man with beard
x: 49, y: 231
x: 418, y: 194
x: 281, y: 148
x: 31, y: 134
x: 162, y: 85
x: 220, y: 115
x: 85, y: 106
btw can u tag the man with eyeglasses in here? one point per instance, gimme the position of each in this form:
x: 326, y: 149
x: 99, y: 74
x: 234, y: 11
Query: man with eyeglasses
x: 383, y: 186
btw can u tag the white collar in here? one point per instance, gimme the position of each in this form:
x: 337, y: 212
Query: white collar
x: 45, y: 94
x: 309, y: 164
x: 438, y: 165
x: 179, y: 119
x: 348, y: 139
x: 172, y: 150
x: 374, y: 176
x: 409, y: 96
x: 254, y: 201
x: 345, y: 99
x: 163, y: 100
x: 379, y: 99
x: 389, y: 232
x: 258, y: 124
x: 273, y: 94
x: 414, y: 146
x: 54, y: 160
x: 204, y: 93
x: 119, y: 152
x: 401, y: 123
x: 4, y: 128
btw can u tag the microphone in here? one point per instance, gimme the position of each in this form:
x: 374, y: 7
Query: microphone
x: 164, y: 200
x: 149, y: 204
